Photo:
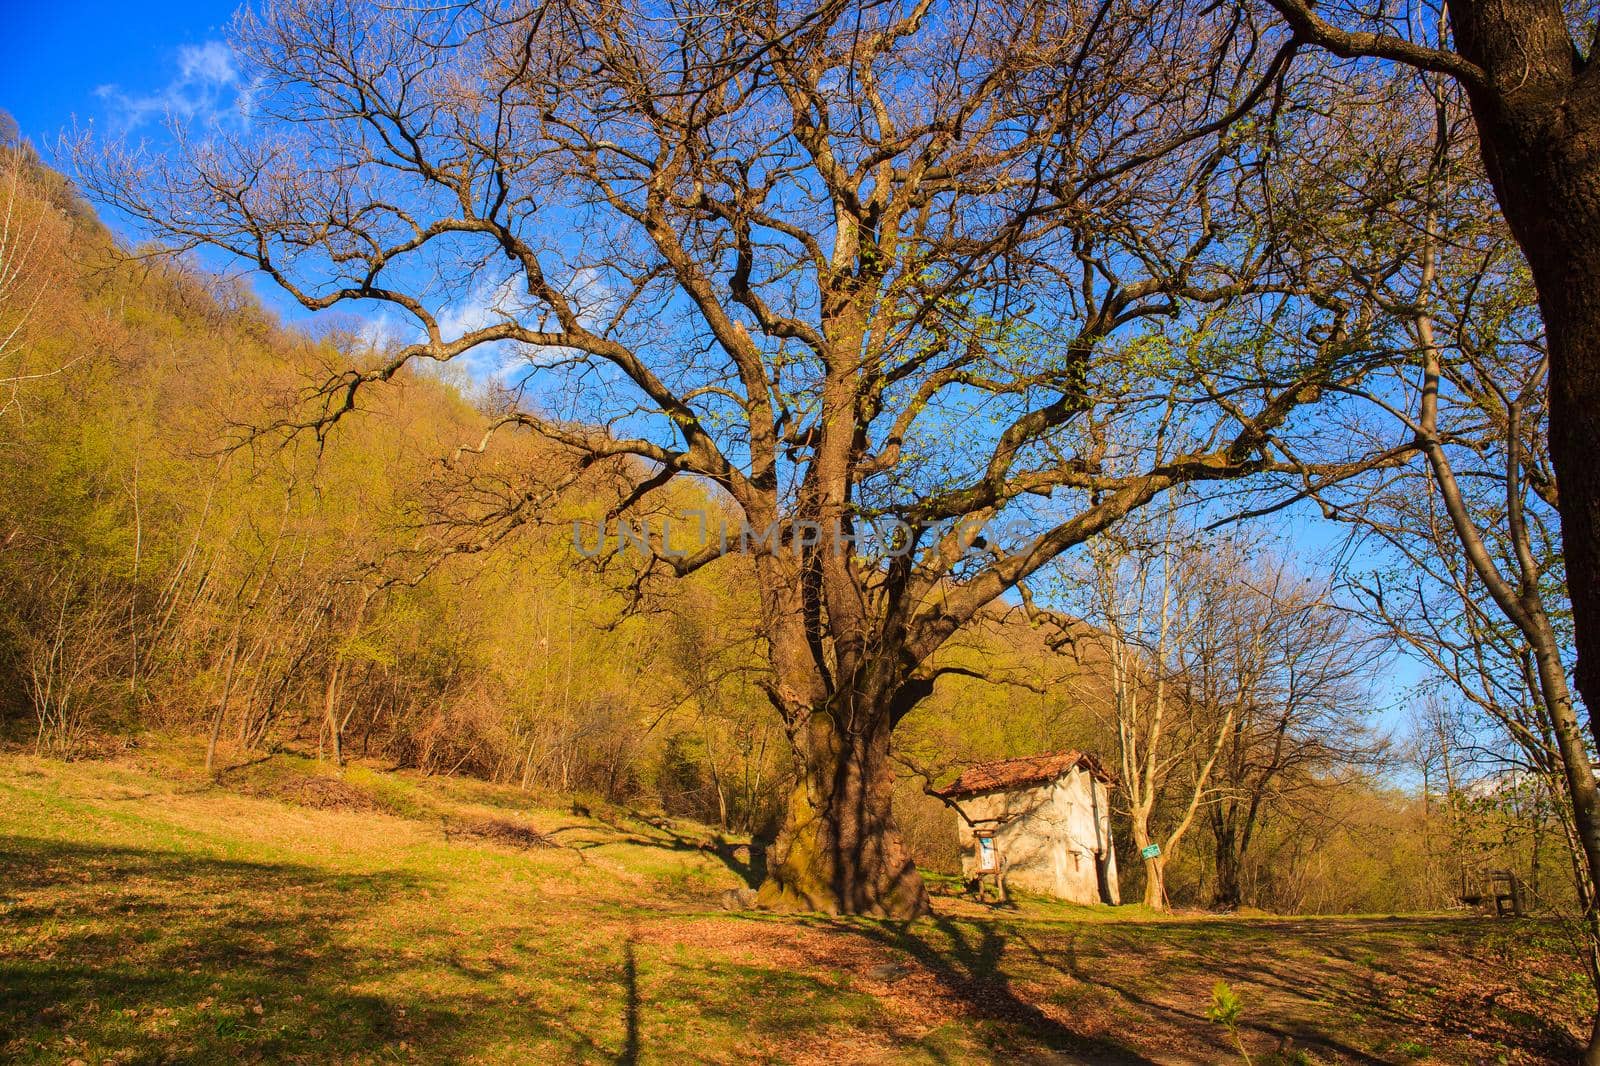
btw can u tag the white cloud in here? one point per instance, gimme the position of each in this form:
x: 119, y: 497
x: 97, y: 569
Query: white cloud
x: 206, y: 87
x: 209, y: 62
x: 486, y: 305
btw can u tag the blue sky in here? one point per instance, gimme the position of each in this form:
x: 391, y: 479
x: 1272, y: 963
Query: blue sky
x: 123, y: 69
x: 114, y: 63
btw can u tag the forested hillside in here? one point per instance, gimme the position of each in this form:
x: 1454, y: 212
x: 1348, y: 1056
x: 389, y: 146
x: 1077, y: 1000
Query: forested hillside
x: 173, y: 558
x: 166, y: 563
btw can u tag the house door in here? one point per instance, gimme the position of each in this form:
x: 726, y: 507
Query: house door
x: 986, y: 855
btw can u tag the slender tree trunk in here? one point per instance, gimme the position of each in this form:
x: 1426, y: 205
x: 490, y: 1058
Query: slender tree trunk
x: 1155, y: 869
x: 330, y: 714
x: 222, y: 703
x: 1226, y: 895
x: 1567, y: 273
x: 1543, y: 156
x: 839, y: 850
x: 1579, y: 770
x: 527, y: 762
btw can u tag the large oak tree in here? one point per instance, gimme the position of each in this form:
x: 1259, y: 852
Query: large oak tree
x: 994, y: 262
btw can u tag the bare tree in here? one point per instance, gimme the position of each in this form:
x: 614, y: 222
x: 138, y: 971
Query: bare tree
x: 70, y: 656
x: 1234, y: 685
x: 1528, y: 73
x: 1480, y: 588
x: 19, y: 291
x: 841, y: 262
x: 1439, y: 750
x: 1191, y: 636
x: 1293, y: 664
x: 1151, y: 604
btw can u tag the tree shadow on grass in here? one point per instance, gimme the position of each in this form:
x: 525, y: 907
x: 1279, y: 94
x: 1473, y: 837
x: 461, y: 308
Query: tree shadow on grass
x: 169, y: 956
x: 1307, y: 1000
x: 748, y: 862
x: 966, y: 959
x: 1062, y: 956
x: 630, y: 1005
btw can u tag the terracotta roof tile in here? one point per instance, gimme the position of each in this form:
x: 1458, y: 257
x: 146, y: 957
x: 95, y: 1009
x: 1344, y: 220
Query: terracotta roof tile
x: 1004, y: 774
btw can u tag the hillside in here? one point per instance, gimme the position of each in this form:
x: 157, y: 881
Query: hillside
x: 167, y: 558
x: 284, y: 915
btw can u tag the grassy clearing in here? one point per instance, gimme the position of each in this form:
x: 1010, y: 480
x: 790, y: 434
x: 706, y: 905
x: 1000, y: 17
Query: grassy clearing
x: 148, y: 916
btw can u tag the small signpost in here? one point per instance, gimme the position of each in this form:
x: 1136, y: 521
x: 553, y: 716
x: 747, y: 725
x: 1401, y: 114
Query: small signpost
x: 1150, y: 851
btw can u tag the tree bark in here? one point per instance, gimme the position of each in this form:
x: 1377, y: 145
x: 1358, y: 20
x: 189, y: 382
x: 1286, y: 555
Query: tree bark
x: 1232, y: 829
x: 1155, y: 883
x: 1541, y: 149
x: 839, y: 850
x: 1538, y: 120
x: 1562, y: 269
x: 1226, y: 895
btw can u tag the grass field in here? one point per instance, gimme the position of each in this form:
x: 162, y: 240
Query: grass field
x: 147, y: 915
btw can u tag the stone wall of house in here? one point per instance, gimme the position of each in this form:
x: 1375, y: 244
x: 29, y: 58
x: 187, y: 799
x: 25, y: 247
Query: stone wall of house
x: 1054, y: 838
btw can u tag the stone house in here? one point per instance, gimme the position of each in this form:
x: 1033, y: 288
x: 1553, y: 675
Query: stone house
x: 1041, y: 821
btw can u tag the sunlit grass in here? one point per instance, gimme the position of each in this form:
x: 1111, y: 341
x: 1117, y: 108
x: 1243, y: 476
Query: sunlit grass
x: 149, y: 915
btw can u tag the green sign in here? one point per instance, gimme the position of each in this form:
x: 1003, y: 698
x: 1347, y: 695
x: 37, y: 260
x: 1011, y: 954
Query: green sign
x: 1150, y: 851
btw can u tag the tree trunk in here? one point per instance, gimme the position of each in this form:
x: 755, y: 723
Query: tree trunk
x: 839, y: 850
x: 1552, y: 200
x: 222, y: 703
x: 1226, y: 895
x: 1540, y: 138
x: 330, y: 714
x: 1572, y: 325
x: 1155, y: 886
x: 1541, y: 148
x: 1155, y: 883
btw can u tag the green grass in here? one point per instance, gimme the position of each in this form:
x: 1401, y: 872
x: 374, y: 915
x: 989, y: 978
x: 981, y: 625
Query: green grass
x: 147, y: 915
